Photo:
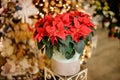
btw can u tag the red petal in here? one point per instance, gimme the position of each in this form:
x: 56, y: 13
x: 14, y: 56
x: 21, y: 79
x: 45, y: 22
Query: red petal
x: 85, y: 30
x: 66, y: 17
x: 53, y: 39
x: 76, y: 23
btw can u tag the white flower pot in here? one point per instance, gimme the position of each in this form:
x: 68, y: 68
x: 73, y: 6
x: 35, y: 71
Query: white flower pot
x: 65, y: 67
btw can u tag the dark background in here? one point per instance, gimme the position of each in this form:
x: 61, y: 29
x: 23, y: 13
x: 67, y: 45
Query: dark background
x: 115, y: 7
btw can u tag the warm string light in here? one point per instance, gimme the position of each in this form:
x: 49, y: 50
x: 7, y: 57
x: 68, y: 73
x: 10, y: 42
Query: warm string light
x: 52, y: 6
x: 86, y: 53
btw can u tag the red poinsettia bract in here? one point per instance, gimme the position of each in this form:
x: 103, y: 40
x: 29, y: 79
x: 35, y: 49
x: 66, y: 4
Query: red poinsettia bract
x: 76, y: 24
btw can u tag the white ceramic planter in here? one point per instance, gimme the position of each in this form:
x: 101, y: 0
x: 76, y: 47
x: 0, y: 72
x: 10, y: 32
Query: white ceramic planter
x: 65, y: 67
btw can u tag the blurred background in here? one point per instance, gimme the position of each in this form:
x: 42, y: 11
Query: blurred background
x: 104, y: 64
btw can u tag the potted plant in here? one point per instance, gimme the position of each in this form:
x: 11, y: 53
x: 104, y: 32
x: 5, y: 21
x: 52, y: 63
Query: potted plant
x: 65, y: 35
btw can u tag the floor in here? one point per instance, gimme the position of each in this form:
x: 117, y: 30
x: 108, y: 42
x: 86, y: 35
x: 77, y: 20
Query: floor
x: 105, y: 61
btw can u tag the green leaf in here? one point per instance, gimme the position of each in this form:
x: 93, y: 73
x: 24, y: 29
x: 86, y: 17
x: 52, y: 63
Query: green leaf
x: 89, y: 37
x: 69, y: 55
x: 40, y: 44
x: 46, y: 41
x: 70, y: 48
x: 49, y: 51
x: 67, y: 41
x: 70, y: 51
x: 66, y: 45
x: 81, y: 53
x: 79, y: 47
x: 63, y: 48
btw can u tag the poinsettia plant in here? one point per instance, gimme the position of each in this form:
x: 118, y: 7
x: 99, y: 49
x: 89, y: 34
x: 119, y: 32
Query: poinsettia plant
x: 68, y: 33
